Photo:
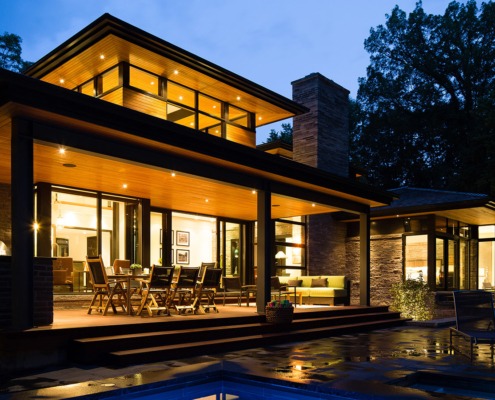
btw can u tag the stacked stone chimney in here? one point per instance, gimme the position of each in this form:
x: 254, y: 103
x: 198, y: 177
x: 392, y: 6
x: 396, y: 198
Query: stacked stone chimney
x: 321, y: 140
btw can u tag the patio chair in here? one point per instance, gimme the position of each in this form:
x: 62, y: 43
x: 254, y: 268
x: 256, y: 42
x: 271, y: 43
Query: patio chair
x: 232, y: 287
x: 62, y: 272
x: 119, y: 264
x: 208, y: 291
x: 278, y: 290
x: 185, y: 288
x: 155, y: 295
x: 106, y: 293
x: 475, y: 319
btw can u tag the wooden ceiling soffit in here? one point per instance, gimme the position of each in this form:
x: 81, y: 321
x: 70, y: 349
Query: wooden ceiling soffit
x: 78, y: 60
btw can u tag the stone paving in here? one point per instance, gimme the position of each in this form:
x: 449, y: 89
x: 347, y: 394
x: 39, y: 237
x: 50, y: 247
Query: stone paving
x: 360, y: 366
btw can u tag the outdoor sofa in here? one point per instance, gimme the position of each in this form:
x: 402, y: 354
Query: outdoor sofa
x: 320, y: 289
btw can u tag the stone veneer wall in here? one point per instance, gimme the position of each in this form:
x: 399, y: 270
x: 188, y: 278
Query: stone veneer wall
x: 321, y: 136
x: 386, y: 267
x: 43, y: 291
x: 321, y: 140
x: 5, y: 215
x: 326, y: 246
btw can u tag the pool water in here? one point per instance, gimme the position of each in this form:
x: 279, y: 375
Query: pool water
x: 225, y: 389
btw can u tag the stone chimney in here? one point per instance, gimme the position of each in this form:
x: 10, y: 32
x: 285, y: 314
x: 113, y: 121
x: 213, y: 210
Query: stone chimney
x: 321, y: 136
x: 321, y: 140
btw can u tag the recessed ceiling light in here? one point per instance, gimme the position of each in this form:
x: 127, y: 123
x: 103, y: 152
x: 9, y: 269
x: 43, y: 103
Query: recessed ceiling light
x: 102, y: 56
x: 62, y: 81
x: 172, y: 173
x: 238, y: 98
x: 124, y: 186
x: 253, y: 191
x: 61, y: 150
x: 206, y: 200
x: 176, y: 72
x: 313, y: 205
x: 260, y: 118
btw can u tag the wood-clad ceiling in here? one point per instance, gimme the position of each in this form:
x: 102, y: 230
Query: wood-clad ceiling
x: 110, y: 50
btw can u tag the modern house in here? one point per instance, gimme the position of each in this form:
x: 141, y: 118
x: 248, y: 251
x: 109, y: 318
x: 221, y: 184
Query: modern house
x: 121, y: 144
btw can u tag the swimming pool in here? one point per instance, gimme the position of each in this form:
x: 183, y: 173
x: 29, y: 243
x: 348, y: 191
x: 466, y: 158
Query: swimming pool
x: 225, y: 387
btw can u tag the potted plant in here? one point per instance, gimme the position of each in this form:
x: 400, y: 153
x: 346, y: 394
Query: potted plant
x: 279, y: 312
x: 136, y: 269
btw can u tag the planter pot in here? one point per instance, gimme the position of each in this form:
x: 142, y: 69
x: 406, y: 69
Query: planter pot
x: 137, y: 271
x: 279, y: 315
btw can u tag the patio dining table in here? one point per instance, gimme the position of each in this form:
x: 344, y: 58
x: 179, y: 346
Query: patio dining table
x: 127, y: 279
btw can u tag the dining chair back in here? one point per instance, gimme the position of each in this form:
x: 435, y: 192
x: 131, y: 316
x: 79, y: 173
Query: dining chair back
x: 156, y: 292
x: 106, y: 293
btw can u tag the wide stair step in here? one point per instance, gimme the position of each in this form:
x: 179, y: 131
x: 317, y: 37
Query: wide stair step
x: 174, y: 342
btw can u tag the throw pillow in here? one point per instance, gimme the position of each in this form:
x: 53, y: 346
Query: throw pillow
x: 294, y: 282
x: 319, y: 282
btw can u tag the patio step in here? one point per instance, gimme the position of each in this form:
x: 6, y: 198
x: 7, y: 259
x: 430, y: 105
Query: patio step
x: 285, y: 335
x: 172, y: 341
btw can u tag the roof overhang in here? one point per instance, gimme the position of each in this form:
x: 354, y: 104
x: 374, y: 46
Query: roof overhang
x: 79, y: 59
x: 109, y: 142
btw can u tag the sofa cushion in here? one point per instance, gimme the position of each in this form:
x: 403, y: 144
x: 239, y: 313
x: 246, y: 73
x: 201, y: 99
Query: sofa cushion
x: 336, y: 281
x: 319, y: 282
x: 306, y: 280
x: 294, y: 282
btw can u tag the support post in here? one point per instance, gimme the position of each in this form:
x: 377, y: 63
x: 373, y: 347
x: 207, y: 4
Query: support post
x: 22, y: 224
x: 364, y: 257
x: 264, y: 248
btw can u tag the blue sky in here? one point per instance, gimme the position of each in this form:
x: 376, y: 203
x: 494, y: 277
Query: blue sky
x: 271, y: 42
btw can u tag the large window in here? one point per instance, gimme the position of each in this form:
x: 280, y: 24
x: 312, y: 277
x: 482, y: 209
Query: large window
x: 486, y: 250
x: 172, y: 101
x: 290, y: 246
x: 416, y: 257
x: 90, y: 224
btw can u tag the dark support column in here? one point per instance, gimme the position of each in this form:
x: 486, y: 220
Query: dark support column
x: 264, y: 249
x: 364, y: 257
x: 22, y: 224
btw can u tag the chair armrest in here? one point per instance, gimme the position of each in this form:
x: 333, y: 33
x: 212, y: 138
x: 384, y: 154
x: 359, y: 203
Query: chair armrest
x: 248, y: 286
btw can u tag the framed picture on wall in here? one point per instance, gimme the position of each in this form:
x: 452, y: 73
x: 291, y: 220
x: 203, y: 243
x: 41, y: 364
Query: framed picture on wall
x: 182, y: 238
x: 182, y: 256
x: 172, y: 257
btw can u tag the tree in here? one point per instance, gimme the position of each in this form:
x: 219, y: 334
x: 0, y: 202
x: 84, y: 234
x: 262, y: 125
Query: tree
x: 284, y: 135
x: 424, y: 115
x: 10, y: 53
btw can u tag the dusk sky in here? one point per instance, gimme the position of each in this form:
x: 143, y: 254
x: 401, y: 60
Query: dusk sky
x: 271, y: 42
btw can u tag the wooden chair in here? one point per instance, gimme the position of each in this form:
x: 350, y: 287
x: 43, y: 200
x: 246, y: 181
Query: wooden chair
x: 106, y: 293
x: 475, y: 319
x: 208, y: 291
x: 232, y: 287
x: 186, y: 287
x: 156, y: 291
x: 62, y: 272
x: 278, y: 290
x: 119, y: 264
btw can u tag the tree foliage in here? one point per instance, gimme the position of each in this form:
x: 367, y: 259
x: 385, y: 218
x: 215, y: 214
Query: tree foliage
x: 424, y: 115
x: 10, y: 53
x: 285, y: 134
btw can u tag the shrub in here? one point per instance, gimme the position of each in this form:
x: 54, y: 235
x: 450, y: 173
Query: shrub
x: 413, y: 299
